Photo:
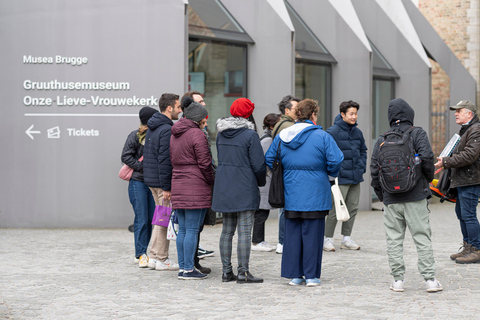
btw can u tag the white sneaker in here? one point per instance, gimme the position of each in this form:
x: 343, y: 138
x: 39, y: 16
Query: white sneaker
x: 168, y: 265
x: 262, y: 246
x: 143, y: 261
x: 152, y: 263
x: 349, y: 244
x: 433, y: 285
x: 397, y: 286
x: 279, y: 248
x: 328, y: 245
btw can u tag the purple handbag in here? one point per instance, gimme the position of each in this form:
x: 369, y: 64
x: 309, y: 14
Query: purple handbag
x: 161, y: 216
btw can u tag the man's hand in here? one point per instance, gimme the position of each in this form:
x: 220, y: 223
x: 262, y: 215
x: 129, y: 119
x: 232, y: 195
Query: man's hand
x: 167, y: 195
x: 439, y: 163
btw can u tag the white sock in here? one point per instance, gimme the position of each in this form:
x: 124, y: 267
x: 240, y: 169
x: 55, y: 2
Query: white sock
x: 345, y: 238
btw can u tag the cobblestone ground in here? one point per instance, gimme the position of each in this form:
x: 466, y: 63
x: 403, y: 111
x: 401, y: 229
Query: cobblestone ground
x: 90, y: 274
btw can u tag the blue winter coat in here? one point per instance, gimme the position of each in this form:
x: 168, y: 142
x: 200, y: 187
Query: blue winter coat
x: 241, y: 167
x: 350, y: 140
x: 157, y: 168
x: 309, y: 156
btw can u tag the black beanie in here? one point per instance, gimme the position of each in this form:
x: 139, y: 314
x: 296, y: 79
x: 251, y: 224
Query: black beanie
x: 195, y: 112
x: 146, y: 113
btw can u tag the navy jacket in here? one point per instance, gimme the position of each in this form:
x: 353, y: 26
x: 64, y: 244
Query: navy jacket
x: 241, y: 167
x: 309, y: 156
x: 157, y: 168
x: 350, y: 140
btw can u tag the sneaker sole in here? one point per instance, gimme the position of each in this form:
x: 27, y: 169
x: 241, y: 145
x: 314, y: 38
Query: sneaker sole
x: 329, y: 250
x: 313, y: 284
x: 396, y: 290
x: 345, y: 247
x: 194, y: 278
x: 435, y: 290
x: 296, y: 284
x: 205, y: 255
x: 262, y: 250
x: 145, y: 266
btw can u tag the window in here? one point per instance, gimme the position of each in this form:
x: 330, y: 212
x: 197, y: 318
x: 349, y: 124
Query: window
x: 312, y: 80
x: 383, y: 92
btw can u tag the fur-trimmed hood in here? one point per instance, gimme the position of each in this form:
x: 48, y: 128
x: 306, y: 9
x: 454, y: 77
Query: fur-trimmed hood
x: 233, y: 124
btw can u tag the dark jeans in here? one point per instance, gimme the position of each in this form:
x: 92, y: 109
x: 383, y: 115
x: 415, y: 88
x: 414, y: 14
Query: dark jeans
x: 466, y: 210
x: 281, y: 225
x: 258, y: 234
x: 143, y: 206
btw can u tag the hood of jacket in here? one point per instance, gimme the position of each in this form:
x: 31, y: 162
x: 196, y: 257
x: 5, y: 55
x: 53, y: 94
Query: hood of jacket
x: 182, y: 126
x: 296, y: 135
x: 232, y: 126
x: 157, y: 120
x: 342, y: 124
x: 400, y: 112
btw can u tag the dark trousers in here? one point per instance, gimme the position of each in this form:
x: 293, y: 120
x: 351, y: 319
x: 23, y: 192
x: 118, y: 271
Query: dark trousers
x: 303, y: 248
x: 258, y: 234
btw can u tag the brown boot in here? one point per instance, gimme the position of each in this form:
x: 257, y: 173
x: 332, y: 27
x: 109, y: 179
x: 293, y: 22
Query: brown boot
x: 472, y: 257
x: 466, y: 248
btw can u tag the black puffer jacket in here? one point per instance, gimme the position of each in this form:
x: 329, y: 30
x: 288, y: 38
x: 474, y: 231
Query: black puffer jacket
x: 157, y: 168
x: 400, y: 116
x: 465, y: 160
x: 132, y: 151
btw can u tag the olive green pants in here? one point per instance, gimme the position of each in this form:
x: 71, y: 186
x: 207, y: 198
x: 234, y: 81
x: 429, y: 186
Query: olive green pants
x: 351, y: 196
x: 414, y: 215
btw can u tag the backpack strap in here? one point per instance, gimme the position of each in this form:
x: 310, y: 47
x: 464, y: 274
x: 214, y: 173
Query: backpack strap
x: 274, y: 133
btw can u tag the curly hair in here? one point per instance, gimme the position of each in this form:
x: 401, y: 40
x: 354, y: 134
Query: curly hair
x: 305, y: 109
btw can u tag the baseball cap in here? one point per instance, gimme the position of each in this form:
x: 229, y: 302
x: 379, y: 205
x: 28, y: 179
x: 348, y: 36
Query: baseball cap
x: 464, y: 104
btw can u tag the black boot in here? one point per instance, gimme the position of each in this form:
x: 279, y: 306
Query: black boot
x: 203, y: 270
x: 230, y: 276
x: 247, y: 277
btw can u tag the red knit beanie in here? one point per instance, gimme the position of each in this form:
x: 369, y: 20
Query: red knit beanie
x: 242, y: 107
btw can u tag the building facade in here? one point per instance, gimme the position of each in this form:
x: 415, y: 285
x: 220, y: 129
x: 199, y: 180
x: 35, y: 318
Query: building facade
x: 77, y: 73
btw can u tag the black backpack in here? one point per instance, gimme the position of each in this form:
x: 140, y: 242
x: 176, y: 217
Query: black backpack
x: 396, y: 162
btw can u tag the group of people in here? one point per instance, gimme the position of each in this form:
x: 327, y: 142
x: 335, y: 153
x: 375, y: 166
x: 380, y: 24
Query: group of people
x: 178, y: 169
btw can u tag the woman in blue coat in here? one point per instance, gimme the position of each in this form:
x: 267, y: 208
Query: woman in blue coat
x: 310, y: 159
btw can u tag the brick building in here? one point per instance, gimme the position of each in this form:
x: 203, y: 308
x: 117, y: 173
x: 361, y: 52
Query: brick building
x: 458, y: 23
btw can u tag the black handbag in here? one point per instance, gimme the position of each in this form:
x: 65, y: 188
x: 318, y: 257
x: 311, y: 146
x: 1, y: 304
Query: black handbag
x: 443, y: 185
x: 276, y: 195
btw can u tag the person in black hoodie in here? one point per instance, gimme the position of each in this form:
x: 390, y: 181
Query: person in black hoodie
x: 408, y: 208
x: 157, y: 170
x: 140, y: 196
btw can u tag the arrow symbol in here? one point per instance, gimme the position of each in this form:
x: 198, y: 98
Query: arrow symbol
x: 29, y: 132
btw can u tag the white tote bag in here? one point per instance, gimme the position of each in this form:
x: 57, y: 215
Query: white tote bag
x: 340, y: 207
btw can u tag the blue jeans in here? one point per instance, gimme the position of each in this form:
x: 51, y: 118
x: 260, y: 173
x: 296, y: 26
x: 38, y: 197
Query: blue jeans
x: 281, y: 224
x: 466, y: 210
x: 189, y: 223
x: 143, y: 206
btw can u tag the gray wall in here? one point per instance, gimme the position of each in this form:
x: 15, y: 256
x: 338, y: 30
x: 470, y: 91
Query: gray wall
x: 351, y: 76
x: 414, y: 82
x: 271, y: 58
x: 72, y: 181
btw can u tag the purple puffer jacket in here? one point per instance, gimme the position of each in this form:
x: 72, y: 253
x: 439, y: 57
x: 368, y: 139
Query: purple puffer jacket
x: 192, y: 167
